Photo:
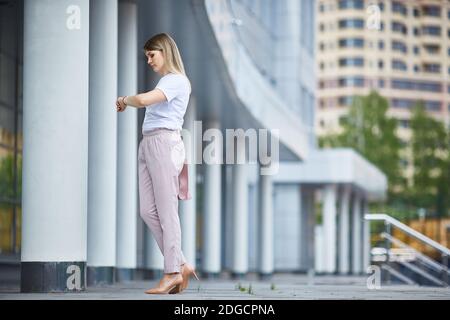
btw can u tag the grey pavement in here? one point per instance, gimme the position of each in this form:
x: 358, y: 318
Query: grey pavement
x: 281, y: 286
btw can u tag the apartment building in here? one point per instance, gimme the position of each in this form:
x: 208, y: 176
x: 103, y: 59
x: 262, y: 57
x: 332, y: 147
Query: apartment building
x: 399, y: 48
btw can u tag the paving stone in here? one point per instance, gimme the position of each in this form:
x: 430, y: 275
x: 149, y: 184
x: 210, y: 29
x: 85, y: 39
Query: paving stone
x: 281, y: 286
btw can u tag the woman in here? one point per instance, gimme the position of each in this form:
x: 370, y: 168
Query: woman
x: 161, y: 157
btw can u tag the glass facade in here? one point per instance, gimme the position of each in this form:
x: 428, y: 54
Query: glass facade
x: 307, y: 26
x: 11, y: 65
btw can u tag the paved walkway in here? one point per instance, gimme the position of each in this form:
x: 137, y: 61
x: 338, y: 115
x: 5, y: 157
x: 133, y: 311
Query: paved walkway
x: 281, y: 286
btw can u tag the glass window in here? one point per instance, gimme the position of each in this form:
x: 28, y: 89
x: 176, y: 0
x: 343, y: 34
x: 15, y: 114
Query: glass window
x: 404, y: 84
x: 345, y: 100
x: 431, y: 11
x: 431, y: 67
x: 402, y: 103
x: 351, y: 43
x: 351, y: 23
x: 432, y: 105
x: 399, y: 65
x: 399, y: 8
x: 351, y: 82
x: 356, y: 61
x: 431, y: 30
x: 399, y: 46
x: 432, y: 49
x: 399, y: 27
x: 351, y: 4
x: 10, y: 127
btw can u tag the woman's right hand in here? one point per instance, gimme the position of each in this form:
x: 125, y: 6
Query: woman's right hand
x: 120, y: 104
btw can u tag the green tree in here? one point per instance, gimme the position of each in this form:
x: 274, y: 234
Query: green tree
x: 7, y: 179
x: 369, y: 131
x: 430, y: 149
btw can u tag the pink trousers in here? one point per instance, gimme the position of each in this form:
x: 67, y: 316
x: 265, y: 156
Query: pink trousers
x: 161, y: 163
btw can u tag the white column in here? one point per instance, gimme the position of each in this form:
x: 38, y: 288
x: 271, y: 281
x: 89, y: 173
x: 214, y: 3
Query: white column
x: 127, y: 193
x: 101, y: 253
x: 329, y: 227
x: 240, y: 213
x: 366, y: 237
x: 356, y: 235
x: 344, y: 227
x: 319, y: 250
x: 55, y: 150
x: 266, y: 244
x: 228, y: 216
x: 308, y: 222
x: 211, y: 244
x: 188, y: 208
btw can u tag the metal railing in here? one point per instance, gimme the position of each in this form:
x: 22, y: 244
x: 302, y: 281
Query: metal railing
x: 441, y: 268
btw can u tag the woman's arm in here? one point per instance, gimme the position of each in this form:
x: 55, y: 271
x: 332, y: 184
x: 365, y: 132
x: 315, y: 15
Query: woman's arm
x: 141, y: 100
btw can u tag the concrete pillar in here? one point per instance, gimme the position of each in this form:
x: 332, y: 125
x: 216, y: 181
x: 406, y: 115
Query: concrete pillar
x: 188, y: 212
x: 101, y: 252
x: 254, y: 226
x: 55, y: 150
x: 266, y: 243
x: 211, y: 244
x: 366, y: 237
x: 240, y: 210
x: 329, y: 228
x: 356, y: 235
x: 344, y: 228
x: 319, y: 250
x: 127, y: 140
x: 308, y: 221
x: 227, y: 237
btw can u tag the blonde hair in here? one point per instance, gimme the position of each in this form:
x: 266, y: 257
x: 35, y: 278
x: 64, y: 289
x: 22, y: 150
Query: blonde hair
x: 172, y: 58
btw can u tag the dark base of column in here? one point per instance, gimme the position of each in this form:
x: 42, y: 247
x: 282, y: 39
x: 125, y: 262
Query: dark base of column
x: 141, y: 274
x: 156, y: 274
x: 238, y: 275
x: 125, y: 274
x: 100, y: 276
x: 265, y: 276
x: 209, y: 275
x: 45, y: 277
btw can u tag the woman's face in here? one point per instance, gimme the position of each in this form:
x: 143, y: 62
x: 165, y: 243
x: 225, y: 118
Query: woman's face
x: 155, y: 60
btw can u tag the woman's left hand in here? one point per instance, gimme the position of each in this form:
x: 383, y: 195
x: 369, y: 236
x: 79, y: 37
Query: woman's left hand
x: 120, y: 104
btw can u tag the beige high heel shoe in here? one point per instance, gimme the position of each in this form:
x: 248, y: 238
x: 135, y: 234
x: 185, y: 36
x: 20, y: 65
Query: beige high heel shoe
x: 186, y: 271
x: 167, y: 286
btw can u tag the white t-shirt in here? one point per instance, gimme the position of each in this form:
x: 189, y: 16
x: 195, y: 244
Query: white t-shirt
x: 169, y: 114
